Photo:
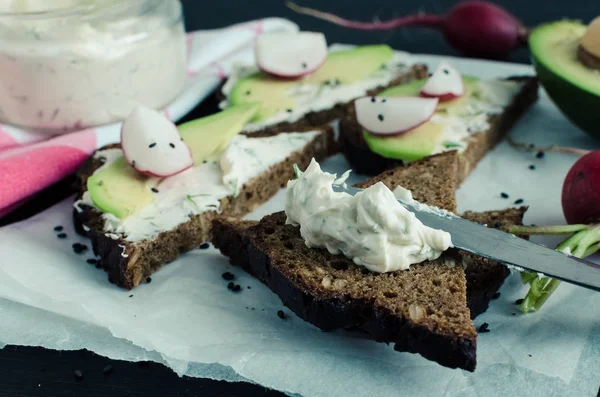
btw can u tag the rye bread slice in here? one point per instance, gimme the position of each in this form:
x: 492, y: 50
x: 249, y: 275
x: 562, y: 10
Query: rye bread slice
x: 130, y: 263
x: 414, y: 310
x: 423, y: 310
x: 364, y: 161
x: 337, y: 112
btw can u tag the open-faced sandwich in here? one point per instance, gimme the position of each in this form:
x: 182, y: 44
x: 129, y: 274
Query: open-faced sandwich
x: 444, y: 112
x: 364, y: 262
x: 299, y: 83
x: 144, y: 202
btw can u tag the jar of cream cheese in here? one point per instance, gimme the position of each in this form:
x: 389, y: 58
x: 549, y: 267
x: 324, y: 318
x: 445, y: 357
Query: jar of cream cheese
x: 71, y: 64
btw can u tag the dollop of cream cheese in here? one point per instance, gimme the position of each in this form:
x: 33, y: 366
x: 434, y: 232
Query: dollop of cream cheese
x: 371, y: 228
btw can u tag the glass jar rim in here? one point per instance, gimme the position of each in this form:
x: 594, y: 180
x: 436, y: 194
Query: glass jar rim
x: 80, y: 10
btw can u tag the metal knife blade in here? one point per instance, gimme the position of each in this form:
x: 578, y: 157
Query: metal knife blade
x: 505, y: 248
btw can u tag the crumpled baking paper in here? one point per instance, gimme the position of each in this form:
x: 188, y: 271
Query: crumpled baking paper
x: 188, y: 319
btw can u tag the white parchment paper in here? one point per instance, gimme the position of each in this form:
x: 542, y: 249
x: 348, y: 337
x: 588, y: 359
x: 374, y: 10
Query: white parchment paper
x: 188, y: 319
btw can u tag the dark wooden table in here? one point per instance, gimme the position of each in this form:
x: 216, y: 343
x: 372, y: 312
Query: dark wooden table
x: 30, y: 371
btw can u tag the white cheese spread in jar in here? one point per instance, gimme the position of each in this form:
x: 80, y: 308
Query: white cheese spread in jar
x: 70, y: 64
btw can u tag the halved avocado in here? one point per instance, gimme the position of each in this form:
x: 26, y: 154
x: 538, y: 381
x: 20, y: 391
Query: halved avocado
x: 572, y: 86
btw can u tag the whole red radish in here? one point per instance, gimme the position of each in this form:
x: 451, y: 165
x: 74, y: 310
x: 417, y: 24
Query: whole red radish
x: 475, y: 28
x: 581, y: 190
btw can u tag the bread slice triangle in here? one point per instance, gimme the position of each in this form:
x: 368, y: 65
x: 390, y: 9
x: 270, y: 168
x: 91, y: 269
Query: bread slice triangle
x: 423, y: 310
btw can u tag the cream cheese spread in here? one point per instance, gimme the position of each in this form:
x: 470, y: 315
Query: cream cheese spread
x: 70, y: 64
x: 371, y: 228
x: 313, y: 98
x: 490, y: 97
x: 200, y: 188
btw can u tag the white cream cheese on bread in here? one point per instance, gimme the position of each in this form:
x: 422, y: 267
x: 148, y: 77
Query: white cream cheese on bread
x: 200, y: 188
x: 313, y: 98
x: 490, y: 97
x: 371, y: 228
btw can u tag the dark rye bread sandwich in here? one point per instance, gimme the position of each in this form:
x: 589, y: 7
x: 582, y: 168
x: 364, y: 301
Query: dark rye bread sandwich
x: 364, y: 160
x: 129, y: 263
x: 320, y: 97
x: 424, y: 310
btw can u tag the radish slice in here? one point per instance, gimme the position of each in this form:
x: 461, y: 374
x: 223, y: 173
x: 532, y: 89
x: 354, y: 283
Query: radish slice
x: 291, y: 54
x: 445, y: 83
x: 152, y: 144
x: 393, y: 116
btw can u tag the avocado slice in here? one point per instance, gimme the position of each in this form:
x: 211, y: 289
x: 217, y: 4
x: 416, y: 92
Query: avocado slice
x: 350, y: 66
x: 270, y: 92
x: 413, y: 88
x: 341, y: 67
x: 573, y: 87
x: 409, y: 146
x: 119, y: 189
x: 208, y: 135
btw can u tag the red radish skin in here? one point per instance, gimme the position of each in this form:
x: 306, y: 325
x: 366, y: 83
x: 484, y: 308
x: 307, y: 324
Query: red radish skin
x: 475, y: 28
x: 441, y: 98
x: 290, y: 76
x: 581, y: 190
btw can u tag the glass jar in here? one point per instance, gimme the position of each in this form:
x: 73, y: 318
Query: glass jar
x: 71, y: 64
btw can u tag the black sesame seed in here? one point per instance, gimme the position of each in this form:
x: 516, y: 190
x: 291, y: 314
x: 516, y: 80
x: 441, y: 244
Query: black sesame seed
x: 383, y: 100
x: 289, y: 110
x: 172, y: 145
x: 519, y: 301
x: 249, y: 287
x: 181, y: 139
x: 131, y: 296
x: 380, y: 117
x: 58, y: 228
x: 483, y: 328
x: 281, y: 314
x: 429, y: 74
x: 373, y: 99
x: 92, y: 261
x: 519, y: 201
x: 149, y: 280
x: 230, y: 285
x: 109, y: 368
x: 497, y: 224
x: 531, y: 146
x: 228, y: 276
x: 540, y: 155
x: 204, y: 161
x: 304, y: 65
x: 133, y: 163
x: 504, y: 195
x: 236, y: 288
x: 100, y: 183
x: 154, y: 190
x: 61, y: 235
x: 513, y: 313
x: 446, y: 71
x: 338, y: 82
x: 152, y: 145
x: 78, y: 374
x: 496, y: 295
x: 204, y: 246
x: 79, y: 248
x: 532, y: 167
x: 248, y: 92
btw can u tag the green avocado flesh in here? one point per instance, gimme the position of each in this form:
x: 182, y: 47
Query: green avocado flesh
x: 410, y: 146
x: 119, y: 189
x: 351, y: 66
x: 273, y: 93
x: 208, y: 135
x: 573, y: 87
x: 420, y: 142
x: 122, y: 191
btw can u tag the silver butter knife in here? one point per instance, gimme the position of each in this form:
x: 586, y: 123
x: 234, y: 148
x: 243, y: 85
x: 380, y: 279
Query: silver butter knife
x: 503, y: 247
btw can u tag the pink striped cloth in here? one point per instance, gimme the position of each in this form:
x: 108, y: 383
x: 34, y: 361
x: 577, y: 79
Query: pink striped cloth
x: 30, y: 162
